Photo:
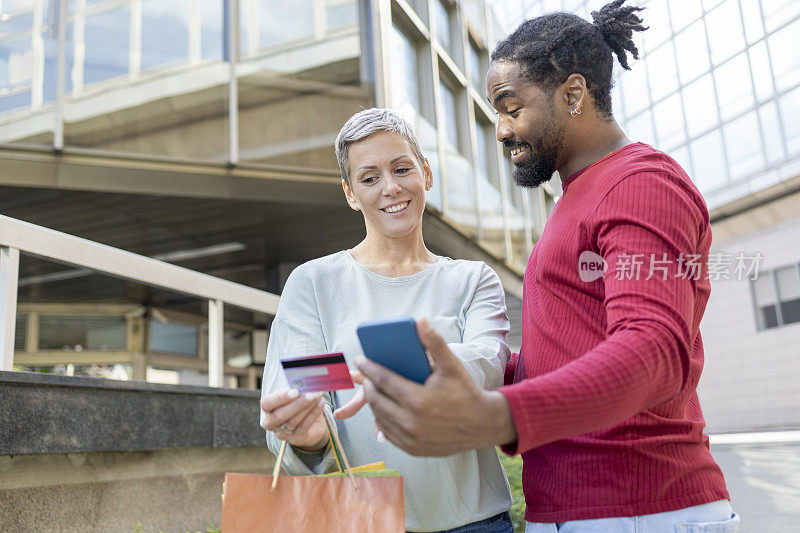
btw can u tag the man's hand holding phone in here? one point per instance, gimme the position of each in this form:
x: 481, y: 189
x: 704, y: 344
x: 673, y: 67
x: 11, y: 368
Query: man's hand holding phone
x: 446, y: 415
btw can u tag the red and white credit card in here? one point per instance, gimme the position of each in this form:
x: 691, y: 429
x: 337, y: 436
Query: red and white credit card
x: 315, y: 373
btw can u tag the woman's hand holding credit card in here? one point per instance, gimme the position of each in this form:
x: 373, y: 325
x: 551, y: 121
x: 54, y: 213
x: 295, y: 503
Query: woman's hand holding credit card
x: 296, y: 414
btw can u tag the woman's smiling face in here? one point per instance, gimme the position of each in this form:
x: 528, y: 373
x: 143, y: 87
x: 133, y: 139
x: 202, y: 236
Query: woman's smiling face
x: 387, y: 183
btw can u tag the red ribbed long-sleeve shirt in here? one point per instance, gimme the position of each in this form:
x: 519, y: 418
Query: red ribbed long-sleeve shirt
x: 603, y: 393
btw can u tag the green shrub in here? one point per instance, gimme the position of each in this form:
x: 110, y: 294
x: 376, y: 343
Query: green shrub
x: 513, y: 468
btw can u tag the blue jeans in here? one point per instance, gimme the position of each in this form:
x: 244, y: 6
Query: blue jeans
x: 499, y: 523
x: 714, y: 517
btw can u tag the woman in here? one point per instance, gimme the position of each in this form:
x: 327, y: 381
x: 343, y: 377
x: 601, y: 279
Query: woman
x: 389, y: 274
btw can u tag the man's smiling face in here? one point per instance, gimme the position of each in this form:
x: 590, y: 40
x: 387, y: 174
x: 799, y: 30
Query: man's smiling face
x: 527, y: 125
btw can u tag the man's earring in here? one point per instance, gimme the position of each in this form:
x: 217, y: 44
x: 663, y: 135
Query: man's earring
x: 575, y: 112
x: 428, y: 187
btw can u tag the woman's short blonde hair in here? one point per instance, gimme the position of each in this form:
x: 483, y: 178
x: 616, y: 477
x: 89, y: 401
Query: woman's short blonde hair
x: 369, y: 122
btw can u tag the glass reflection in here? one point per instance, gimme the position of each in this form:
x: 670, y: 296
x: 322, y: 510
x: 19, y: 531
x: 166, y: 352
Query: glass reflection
x: 725, y: 34
x: 708, y: 161
x: 743, y: 145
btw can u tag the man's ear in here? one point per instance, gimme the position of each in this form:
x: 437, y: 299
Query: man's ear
x: 574, y: 94
x: 348, y: 194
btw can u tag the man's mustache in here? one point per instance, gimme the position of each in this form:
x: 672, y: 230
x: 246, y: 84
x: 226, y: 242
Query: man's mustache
x: 510, y: 145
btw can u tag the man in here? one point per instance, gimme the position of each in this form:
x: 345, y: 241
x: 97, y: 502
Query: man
x: 601, y: 402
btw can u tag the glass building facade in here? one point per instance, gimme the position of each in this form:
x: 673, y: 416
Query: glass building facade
x: 717, y: 87
x: 438, y: 56
x: 161, y: 126
x: 191, y: 79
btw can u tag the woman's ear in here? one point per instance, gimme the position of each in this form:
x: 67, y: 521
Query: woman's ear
x: 426, y: 170
x: 348, y: 194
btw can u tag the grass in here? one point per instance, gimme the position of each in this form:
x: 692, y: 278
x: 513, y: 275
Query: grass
x: 513, y: 468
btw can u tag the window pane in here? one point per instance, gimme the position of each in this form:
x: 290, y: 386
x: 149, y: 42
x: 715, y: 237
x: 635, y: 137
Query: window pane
x: 16, y: 74
x: 692, y: 51
x: 107, y: 47
x: 634, y: 88
x: 492, y: 221
x: 426, y: 134
x: 742, y: 143
x: 734, y: 89
x: 708, y: 161
x: 684, y: 14
x: 447, y: 114
x: 237, y: 348
x: 16, y: 21
x: 405, y: 81
x: 442, y: 20
x: 617, y: 101
x: 701, y: 107
x: 753, y: 29
x: 725, y: 34
x: 640, y: 128
x: 211, y: 34
x: 20, y: 332
x: 280, y: 22
x: 342, y: 15
x: 662, y: 72
x: 790, y: 111
x: 656, y: 33
x: 783, y: 46
x: 710, y: 4
x: 75, y: 332
x: 460, y: 192
x: 763, y: 289
x: 681, y: 155
x: 759, y: 61
x: 765, y: 301
x: 669, y: 122
x: 173, y: 338
x: 788, y: 283
x: 482, y: 155
x: 777, y: 12
x: 772, y: 134
x: 476, y: 68
x: 165, y: 32
x: 789, y: 291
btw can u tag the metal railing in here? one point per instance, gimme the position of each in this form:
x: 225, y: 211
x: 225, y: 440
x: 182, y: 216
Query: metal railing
x: 17, y: 236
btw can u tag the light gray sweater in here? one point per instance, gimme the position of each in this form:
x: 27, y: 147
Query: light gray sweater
x: 323, y: 302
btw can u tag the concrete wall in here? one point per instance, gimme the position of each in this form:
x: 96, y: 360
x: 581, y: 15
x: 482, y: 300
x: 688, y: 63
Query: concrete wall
x: 87, y: 454
x: 163, y: 490
x: 751, y: 377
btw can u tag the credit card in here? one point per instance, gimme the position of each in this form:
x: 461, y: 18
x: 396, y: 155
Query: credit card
x: 315, y: 373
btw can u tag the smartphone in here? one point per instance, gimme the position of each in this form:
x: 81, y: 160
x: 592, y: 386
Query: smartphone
x: 395, y: 344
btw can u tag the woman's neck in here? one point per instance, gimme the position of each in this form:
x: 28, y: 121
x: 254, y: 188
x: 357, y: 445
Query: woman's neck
x: 393, y: 256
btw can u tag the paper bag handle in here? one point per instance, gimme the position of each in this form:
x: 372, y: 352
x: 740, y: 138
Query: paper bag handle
x: 338, y: 453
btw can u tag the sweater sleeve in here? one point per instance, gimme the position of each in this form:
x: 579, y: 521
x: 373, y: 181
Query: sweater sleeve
x: 644, y: 359
x: 484, y: 351
x: 511, y: 369
x: 296, y: 330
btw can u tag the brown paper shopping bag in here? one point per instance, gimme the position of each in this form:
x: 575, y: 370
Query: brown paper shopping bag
x: 333, y: 503
x: 306, y: 504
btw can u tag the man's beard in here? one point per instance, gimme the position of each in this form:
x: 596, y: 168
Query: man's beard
x: 539, y: 163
